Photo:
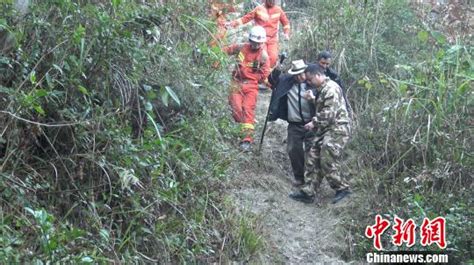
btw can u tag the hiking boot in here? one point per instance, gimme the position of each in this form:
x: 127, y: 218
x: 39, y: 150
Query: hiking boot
x: 302, y: 197
x: 297, y: 182
x: 245, y: 146
x: 340, y: 194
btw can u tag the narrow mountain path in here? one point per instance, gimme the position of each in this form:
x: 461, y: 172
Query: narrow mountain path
x: 294, y: 232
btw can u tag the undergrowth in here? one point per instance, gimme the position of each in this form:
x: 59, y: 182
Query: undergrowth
x: 411, y: 89
x: 113, y: 144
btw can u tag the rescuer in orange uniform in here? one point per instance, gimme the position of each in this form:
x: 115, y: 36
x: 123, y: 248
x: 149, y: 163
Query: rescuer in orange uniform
x: 218, y: 12
x: 269, y: 17
x: 253, y: 67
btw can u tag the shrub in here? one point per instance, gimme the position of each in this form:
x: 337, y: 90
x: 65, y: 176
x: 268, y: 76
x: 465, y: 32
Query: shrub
x: 411, y: 92
x: 110, y: 151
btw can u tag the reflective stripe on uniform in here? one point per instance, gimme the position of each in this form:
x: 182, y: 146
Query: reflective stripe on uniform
x: 263, y: 14
x: 241, y: 56
x: 277, y: 15
x: 247, y: 126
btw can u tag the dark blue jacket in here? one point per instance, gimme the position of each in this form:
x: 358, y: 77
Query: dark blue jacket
x: 279, y: 104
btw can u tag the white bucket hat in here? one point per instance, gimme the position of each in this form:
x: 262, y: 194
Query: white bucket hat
x: 297, y: 67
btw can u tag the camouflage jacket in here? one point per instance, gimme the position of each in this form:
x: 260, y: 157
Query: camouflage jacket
x: 331, y: 107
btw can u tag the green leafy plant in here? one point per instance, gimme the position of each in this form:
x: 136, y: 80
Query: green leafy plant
x: 411, y: 89
x: 108, y: 138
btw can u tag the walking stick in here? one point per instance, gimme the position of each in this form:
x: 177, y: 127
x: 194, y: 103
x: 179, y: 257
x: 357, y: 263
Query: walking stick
x: 266, y: 121
x: 283, y: 56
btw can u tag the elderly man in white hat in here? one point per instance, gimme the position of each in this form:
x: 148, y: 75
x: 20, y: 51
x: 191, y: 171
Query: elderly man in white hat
x: 288, y: 103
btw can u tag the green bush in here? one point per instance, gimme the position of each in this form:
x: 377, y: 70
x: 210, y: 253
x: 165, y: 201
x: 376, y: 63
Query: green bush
x: 412, y: 95
x: 418, y: 151
x: 109, y: 149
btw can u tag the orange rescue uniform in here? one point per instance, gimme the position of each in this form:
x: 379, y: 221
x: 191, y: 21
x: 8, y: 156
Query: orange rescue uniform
x: 253, y: 67
x: 218, y: 12
x: 269, y: 18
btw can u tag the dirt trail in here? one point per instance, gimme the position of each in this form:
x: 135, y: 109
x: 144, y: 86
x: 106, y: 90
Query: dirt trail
x: 295, y: 233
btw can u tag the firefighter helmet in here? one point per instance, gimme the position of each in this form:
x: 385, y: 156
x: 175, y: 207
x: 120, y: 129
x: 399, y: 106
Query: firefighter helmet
x: 258, y: 34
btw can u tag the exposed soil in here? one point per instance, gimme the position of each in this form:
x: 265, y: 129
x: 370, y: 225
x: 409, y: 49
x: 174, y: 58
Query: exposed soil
x: 298, y: 233
x: 295, y: 233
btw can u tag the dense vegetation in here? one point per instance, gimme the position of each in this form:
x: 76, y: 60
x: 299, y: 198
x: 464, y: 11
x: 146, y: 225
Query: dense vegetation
x: 115, y: 133
x: 109, y: 149
x: 410, y: 84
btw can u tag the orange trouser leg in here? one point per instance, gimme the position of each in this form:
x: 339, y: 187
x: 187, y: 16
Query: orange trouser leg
x: 235, y: 102
x: 272, y: 50
x: 249, y: 103
x: 243, y: 103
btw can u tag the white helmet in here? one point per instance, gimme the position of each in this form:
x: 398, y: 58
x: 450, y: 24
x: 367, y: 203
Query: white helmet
x: 258, y: 34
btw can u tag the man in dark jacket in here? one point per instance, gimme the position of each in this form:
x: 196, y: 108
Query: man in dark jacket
x: 324, y: 60
x: 288, y: 103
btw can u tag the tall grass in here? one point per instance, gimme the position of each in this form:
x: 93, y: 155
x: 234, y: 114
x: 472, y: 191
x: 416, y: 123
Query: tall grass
x: 412, y: 93
x: 109, y: 149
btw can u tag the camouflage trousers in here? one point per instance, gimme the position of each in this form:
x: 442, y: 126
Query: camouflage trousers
x: 324, y: 159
